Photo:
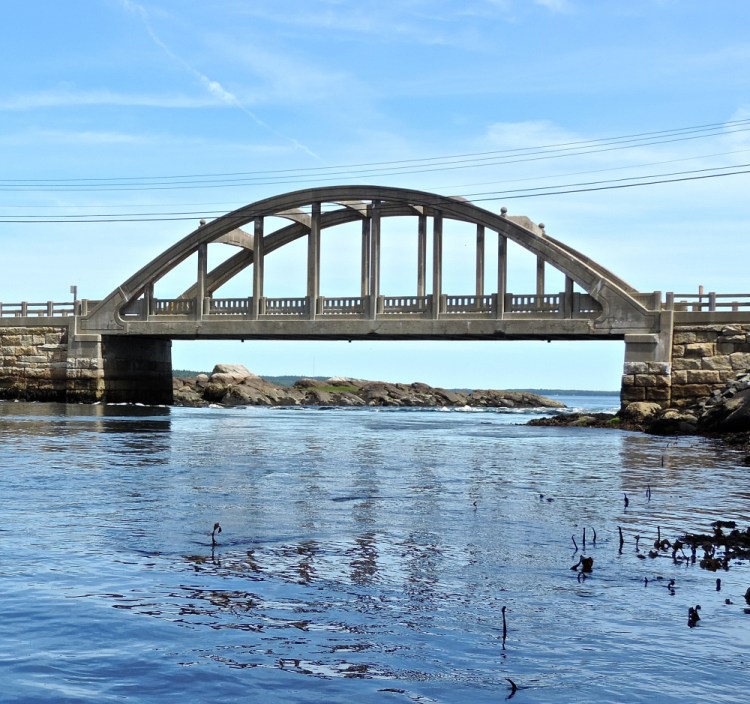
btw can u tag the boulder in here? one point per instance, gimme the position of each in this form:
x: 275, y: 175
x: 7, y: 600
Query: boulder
x: 673, y: 422
x: 728, y: 415
x: 186, y: 395
x: 228, y: 374
x: 640, y: 411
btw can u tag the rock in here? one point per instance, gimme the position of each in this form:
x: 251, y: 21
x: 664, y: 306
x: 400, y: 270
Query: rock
x: 186, y: 395
x: 510, y: 399
x: 729, y: 415
x: 228, y: 374
x: 640, y: 411
x: 673, y: 422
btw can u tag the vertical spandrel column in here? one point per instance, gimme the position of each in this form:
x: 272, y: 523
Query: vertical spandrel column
x: 480, y: 263
x: 421, y: 254
x: 365, y: 265
x: 202, y: 276
x: 437, y: 262
x: 539, y: 279
x: 313, y: 261
x: 258, y: 267
x: 374, y: 258
x: 567, y: 305
x: 502, y: 273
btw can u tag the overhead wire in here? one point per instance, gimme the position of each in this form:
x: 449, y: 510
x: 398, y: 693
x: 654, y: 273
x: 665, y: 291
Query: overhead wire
x: 439, y: 163
x: 477, y: 197
x: 393, y: 168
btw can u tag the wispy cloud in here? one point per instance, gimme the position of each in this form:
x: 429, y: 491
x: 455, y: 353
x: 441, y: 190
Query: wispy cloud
x: 214, y: 87
x: 72, y: 137
x: 73, y: 98
x: 561, y: 6
x: 415, y: 22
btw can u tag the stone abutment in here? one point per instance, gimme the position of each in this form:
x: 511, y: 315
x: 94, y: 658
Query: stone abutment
x: 49, y: 363
x: 703, y: 359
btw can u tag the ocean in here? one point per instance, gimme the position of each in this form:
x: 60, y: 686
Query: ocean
x: 365, y: 555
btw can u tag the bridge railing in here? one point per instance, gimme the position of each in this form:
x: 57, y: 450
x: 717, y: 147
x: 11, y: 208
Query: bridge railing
x: 48, y: 309
x: 173, y: 306
x: 353, y: 306
x: 284, y: 306
x: 708, y: 302
x: 547, y: 303
x: 228, y: 306
x: 390, y: 305
x: 478, y: 305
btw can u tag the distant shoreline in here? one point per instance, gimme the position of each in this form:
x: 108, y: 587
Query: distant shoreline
x: 290, y: 379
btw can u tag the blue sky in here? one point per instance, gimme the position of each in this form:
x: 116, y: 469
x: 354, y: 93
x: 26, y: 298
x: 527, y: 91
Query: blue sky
x: 126, y: 89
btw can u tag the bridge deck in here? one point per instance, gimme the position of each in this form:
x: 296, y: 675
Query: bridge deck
x: 524, y: 316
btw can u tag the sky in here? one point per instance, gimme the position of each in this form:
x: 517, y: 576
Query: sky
x: 139, y: 117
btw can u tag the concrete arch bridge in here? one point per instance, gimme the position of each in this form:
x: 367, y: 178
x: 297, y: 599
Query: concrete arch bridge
x: 128, y: 334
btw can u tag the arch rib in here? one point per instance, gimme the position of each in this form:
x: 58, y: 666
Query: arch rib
x: 604, y: 286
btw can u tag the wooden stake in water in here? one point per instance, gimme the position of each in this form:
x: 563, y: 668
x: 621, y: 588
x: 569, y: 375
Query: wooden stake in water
x: 505, y: 627
x: 622, y: 540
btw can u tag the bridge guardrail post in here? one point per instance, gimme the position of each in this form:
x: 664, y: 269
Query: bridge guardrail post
x: 712, y: 301
x: 24, y: 309
x: 50, y: 309
x: 443, y: 308
x: 669, y: 301
x: 379, y: 306
x: 319, y: 305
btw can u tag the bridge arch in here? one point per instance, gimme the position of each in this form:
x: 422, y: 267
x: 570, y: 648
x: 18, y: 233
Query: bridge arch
x: 609, y: 304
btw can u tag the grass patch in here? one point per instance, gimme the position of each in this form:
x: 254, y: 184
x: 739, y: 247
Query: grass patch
x: 343, y: 389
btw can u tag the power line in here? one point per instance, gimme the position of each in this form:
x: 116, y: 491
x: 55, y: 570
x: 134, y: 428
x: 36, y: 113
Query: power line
x: 614, y: 184
x: 378, y: 169
x: 230, y: 206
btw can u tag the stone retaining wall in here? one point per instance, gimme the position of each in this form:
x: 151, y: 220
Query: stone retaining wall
x: 36, y: 365
x: 704, y: 359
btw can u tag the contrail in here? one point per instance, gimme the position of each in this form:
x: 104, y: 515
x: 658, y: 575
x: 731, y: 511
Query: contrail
x: 213, y: 87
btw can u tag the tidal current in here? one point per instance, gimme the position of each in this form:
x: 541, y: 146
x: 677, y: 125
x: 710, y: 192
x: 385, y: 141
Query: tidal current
x: 366, y: 555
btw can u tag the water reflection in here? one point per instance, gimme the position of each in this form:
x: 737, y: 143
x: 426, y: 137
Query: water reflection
x: 362, y: 556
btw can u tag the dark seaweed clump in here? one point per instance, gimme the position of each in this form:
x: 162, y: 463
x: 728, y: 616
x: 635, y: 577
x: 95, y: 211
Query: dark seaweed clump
x: 719, y: 547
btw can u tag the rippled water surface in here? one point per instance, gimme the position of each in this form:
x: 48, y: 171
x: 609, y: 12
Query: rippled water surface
x: 365, y: 556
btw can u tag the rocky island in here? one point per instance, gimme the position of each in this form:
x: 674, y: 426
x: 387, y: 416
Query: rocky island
x: 235, y: 385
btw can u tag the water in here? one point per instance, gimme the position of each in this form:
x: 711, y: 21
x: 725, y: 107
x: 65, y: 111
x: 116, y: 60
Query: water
x: 365, y: 556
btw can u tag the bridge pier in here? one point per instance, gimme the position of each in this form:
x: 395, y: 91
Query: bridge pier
x: 137, y: 369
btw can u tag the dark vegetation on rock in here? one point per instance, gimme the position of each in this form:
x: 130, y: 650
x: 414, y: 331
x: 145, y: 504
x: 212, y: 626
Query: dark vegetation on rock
x: 718, y: 547
x: 235, y: 385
